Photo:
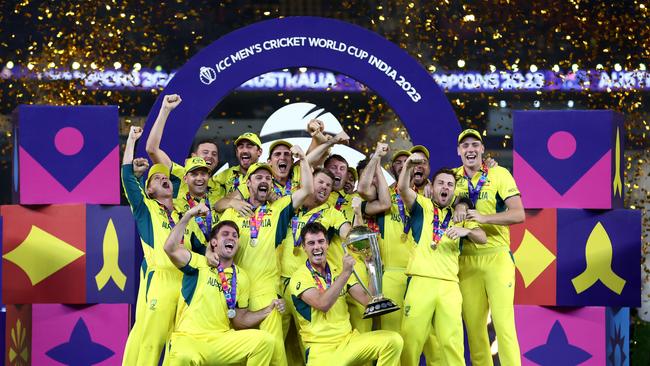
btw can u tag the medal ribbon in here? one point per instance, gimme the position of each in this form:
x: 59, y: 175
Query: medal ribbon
x: 475, y: 191
x: 287, y: 188
x: 205, y: 224
x: 402, y: 212
x: 339, y: 202
x: 229, y: 291
x: 294, y: 226
x: 317, y: 276
x: 439, y: 231
x: 170, y: 218
x: 235, y: 183
x: 255, y: 222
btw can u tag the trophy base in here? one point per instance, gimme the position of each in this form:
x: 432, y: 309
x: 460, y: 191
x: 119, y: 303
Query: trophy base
x: 379, y: 306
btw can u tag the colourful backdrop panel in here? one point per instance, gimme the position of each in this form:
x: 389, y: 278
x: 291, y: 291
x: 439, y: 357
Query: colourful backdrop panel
x: 72, y: 151
x: 79, y: 335
x: 598, y: 257
x: 569, y: 159
x: 43, y: 254
x: 534, y: 248
x: 111, y: 269
x: 618, y: 336
x: 557, y: 336
x: 18, y: 336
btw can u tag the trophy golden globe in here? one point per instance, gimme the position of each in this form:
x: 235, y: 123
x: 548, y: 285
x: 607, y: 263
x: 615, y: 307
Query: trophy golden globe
x: 363, y: 242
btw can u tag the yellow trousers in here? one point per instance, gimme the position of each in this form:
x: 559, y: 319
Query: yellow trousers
x: 432, y: 303
x: 271, y: 324
x: 250, y: 347
x: 487, y: 282
x: 293, y: 346
x: 358, y: 348
x: 355, y: 309
x: 155, y: 314
x: 394, y: 288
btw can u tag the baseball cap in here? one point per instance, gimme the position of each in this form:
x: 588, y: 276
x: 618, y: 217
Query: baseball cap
x: 469, y: 132
x: 257, y: 166
x: 354, y: 173
x: 279, y: 142
x: 420, y: 148
x: 194, y: 163
x: 155, y: 169
x: 399, y: 153
x: 250, y: 137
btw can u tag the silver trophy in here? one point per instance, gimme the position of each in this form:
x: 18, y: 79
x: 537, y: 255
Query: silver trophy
x: 363, y: 242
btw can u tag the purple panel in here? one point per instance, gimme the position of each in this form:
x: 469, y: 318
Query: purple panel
x: 385, y: 68
x: 584, y: 273
x: 562, y: 145
x: 104, y: 223
x: 618, y: 336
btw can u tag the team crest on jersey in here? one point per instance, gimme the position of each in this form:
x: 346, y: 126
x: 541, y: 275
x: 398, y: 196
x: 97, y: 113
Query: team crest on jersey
x: 298, y: 285
x: 152, y: 304
x: 407, y: 310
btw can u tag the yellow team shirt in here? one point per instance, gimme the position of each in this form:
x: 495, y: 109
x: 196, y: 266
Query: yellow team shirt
x: 442, y: 262
x: 292, y: 256
x: 202, y: 305
x: 257, y: 257
x: 343, y: 202
x: 499, y: 186
x: 394, y: 245
x: 232, y: 179
x: 315, y: 325
x: 292, y: 185
x: 215, y: 191
x: 152, y: 221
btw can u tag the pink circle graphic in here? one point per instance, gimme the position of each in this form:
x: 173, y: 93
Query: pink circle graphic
x: 561, y: 145
x: 69, y: 141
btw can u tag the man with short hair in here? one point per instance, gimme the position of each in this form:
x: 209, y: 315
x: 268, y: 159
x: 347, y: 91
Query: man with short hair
x: 487, y: 272
x: 212, y: 313
x: 261, y: 233
x: 154, y: 214
x: 433, y: 298
x: 318, y: 292
x: 350, y: 181
x: 286, y: 174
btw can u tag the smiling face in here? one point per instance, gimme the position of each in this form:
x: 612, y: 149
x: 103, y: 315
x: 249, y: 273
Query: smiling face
x: 281, y: 161
x: 209, y: 152
x: 471, y: 150
x: 247, y: 153
x: 350, y: 182
x: 322, y: 187
x: 316, y: 245
x: 421, y: 171
x: 225, y: 243
x: 444, y: 185
x: 159, y: 186
x: 197, y: 181
x: 340, y: 171
x: 260, y: 184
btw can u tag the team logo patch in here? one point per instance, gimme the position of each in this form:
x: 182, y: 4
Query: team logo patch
x: 407, y: 309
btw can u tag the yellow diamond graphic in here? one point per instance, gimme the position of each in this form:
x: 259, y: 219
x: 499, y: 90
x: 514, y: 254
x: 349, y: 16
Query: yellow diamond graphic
x: 532, y: 258
x: 41, y: 254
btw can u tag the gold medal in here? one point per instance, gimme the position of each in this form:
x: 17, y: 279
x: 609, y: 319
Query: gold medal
x: 253, y: 242
x: 434, y: 245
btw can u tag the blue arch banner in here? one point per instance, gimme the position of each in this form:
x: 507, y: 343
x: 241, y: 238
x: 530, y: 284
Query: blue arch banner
x: 323, y: 43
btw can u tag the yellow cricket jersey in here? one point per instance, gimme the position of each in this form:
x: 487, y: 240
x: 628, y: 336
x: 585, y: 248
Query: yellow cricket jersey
x: 442, y: 262
x: 343, y: 202
x: 202, y: 306
x: 257, y: 256
x: 316, y: 326
x: 292, y: 256
x: 232, y: 179
x: 215, y: 191
x: 292, y: 185
x: 152, y: 221
x: 394, y: 245
x: 499, y: 186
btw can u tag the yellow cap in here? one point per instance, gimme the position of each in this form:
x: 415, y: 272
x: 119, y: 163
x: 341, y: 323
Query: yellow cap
x: 257, y: 166
x: 194, y: 163
x: 399, y: 153
x: 250, y: 137
x: 354, y: 173
x: 155, y: 169
x: 277, y: 143
x: 469, y: 132
x: 420, y: 148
